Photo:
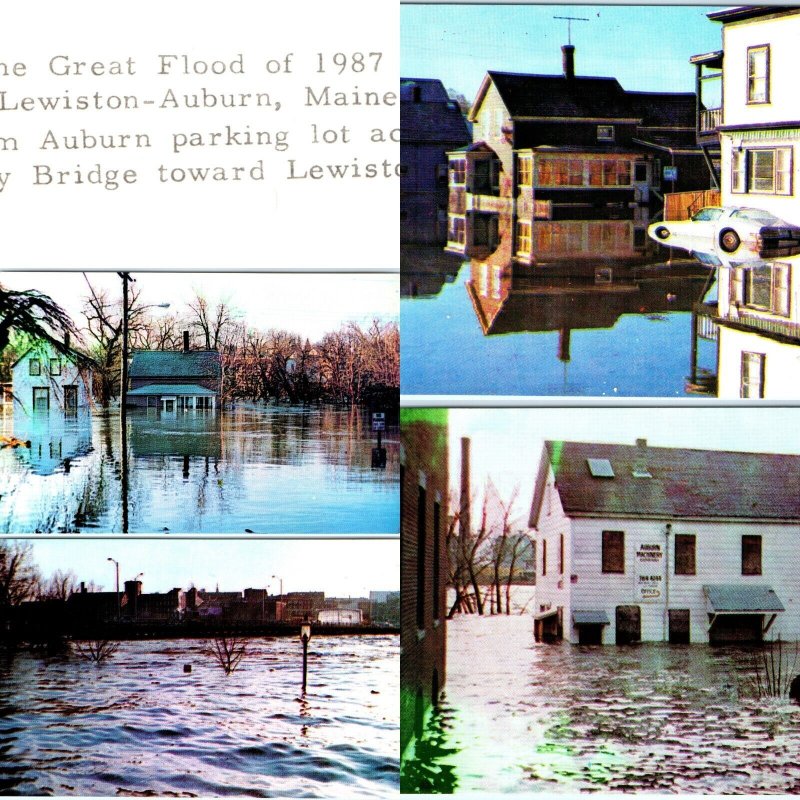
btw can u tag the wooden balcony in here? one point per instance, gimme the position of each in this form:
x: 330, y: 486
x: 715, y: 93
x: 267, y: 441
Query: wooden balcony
x: 710, y: 120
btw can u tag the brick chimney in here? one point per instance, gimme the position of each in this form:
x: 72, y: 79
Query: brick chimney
x: 568, y: 60
x: 66, y: 339
x: 186, y: 341
x: 464, y: 521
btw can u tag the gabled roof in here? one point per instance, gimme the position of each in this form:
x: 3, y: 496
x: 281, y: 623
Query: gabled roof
x: 685, y: 483
x: 175, y: 364
x: 739, y: 13
x: 555, y: 96
x: 434, y: 118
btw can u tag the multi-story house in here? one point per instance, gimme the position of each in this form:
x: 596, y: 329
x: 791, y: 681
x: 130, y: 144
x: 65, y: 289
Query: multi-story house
x: 757, y: 121
x: 44, y: 380
x: 639, y: 543
x: 560, y: 146
x: 431, y: 124
x: 423, y: 571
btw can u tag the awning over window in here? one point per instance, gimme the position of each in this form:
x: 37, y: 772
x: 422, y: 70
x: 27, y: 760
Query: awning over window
x: 545, y: 614
x: 728, y: 598
x: 590, y: 618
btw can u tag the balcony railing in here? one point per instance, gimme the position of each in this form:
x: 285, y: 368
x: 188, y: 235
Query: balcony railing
x: 710, y: 119
x: 790, y: 330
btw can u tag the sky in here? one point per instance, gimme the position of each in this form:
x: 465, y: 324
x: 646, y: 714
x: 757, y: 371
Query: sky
x: 506, y: 443
x: 646, y: 48
x: 309, y: 304
x: 340, y: 568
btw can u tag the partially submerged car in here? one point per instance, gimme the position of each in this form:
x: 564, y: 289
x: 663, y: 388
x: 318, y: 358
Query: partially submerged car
x: 748, y: 232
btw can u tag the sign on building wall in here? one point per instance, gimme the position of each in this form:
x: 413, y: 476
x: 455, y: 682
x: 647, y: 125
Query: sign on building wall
x: 649, y: 572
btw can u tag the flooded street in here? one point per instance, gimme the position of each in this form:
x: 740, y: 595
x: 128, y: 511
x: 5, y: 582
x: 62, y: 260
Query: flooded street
x: 520, y: 716
x: 250, y: 469
x: 137, y: 725
x: 587, y: 326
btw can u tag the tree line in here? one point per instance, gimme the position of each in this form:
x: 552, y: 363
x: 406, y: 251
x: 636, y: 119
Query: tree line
x: 354, y: 365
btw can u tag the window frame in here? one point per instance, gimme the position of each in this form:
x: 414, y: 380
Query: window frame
x: 458, y: 171
x: 752, y: 75
x: 56, y: 371
x: 42, y: 391
x: 34, y: 367
x: 524, y: 239
x: 782, y: 167
x: 752, y: 547
x: 608, y: 564
x: 525, y: 173
x: 747, y: 383
x: 606, y: 133
x: 688, y: 566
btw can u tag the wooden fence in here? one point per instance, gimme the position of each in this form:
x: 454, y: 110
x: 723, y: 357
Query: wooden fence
x: 681, y: 205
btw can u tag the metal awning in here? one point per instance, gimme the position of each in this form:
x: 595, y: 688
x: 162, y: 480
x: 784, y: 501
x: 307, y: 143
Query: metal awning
x: 551, y: 612
x: 190, y: 389
x: 590, y: 618
x: 731, y: 598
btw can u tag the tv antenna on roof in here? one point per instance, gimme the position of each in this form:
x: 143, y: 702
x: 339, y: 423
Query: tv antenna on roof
x: 570, y: 20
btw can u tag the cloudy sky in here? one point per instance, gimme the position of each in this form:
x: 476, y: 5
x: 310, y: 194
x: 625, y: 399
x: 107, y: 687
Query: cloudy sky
x: 310, y: 304
x: 645, y: 48
x: 506, y: 443
x: 340, y: 568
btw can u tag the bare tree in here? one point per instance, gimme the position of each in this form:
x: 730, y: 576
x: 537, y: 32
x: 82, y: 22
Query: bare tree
x: 96, y: 650
x: 212, y: 323
x: 227, y: 651
x: 19, y: 576
x: 59, y: 586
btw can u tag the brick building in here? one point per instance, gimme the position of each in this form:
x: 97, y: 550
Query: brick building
x: 423, y: 572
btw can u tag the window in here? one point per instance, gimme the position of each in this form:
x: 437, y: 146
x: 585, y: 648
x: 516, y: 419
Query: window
x: 605, y: 133
x: 752, y: 383
x: 758, y: 74
x: 544, y: 556
x: 685, y: 549
x: 768, y: 171
x: 55, y: 366
x: 738, y: 174
x: 458, y: 171
x: 614, y: 552
x: 751, y: 555
x: 523, y: 238
x: 421, y: 553
x: 526, y: 171
x: 34, y: 367
x: 457, y: 230
x: 767, y: 288
x: 41, y: 398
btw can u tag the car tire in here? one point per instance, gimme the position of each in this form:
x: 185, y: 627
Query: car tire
x: 662, y: 232
x: 729, y: 240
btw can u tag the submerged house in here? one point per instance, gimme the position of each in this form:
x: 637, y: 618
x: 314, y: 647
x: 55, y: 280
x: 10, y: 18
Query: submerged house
x: 172, y: 381
x: 638, y: 543
x: 561, y: 146
x: 44, y: 380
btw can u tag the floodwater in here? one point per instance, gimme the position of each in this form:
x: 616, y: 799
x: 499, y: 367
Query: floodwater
x: 585, y: 327
x: 526, y: 717
x: 137, y: 725
x: 246, y: 470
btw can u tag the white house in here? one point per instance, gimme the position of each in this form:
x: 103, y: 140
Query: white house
x: 638, y: 543
x: 760, y: 125
x: 44, y: 380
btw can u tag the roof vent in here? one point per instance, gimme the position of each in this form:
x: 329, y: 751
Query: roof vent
x: 600, y: 467
x: 641, y: 472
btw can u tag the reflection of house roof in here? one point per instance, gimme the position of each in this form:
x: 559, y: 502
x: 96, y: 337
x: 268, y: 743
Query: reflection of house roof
x: 684, y: 483
x: 164, y: 363
x: 176, y: 388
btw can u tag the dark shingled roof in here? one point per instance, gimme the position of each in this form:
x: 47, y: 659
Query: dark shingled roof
x: 557, y: 96
x: 435, y: 118
x: 176, y: 364
x: 684, y: 482
x: 663, y: 109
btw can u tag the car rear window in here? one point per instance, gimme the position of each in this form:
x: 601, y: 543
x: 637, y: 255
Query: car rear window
x: 706, y: 214
x: 757, y: 215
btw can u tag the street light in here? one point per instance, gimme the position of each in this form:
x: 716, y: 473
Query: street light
x: 116, y: 563
x: 305, y: 636
x: 281, y: 580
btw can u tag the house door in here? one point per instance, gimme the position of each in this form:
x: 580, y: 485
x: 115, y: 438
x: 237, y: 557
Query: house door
x: 71, y: 399
x: 629, y: 624
x: 590, y: 634
x: 41, y: 398
x: 168, y: 405
x: 679, y: 626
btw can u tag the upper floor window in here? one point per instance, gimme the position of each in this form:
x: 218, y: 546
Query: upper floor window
x: 524, y: 244
x: 458, y: 171
x: 55, y: 366
x: 605, y: 133
x: 525, y: 171
x: 766, y: 288
x: 457, y: 230
x: 34, y: 367
x: 751, y: 555
x: 685, y: 547
x: 613, y: 556
x: 758, y: 74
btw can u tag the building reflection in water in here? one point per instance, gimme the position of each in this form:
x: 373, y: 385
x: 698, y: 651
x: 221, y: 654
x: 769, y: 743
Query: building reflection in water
x: 56, y: 438
x: 580, y: 275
